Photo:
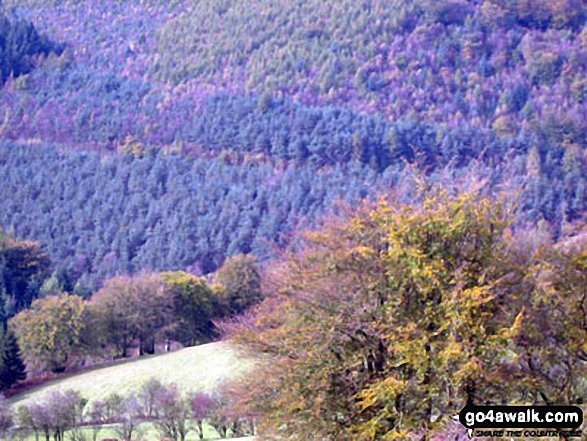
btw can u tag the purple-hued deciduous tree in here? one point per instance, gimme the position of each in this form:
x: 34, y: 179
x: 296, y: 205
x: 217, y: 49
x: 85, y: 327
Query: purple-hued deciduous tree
x: 202, y: 404
x: 37, y: 417
x: 130, y: 418
x: 174, y: 412
x: 6, y: 416
x: 147, y: 397
x: 97, y: 416
x: 57, y: 412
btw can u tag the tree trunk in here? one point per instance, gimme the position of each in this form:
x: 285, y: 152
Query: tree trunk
x: 428, y: 382
x: 141, y: 346
x: 125, y: 341
x: 124, y: 351
x: 236, y: 428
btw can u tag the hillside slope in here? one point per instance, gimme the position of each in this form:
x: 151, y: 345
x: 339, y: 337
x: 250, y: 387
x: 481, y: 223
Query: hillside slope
x: 199, y: 368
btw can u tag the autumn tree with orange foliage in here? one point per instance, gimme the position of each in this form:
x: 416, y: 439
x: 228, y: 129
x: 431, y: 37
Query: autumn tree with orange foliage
x: 390, y: 321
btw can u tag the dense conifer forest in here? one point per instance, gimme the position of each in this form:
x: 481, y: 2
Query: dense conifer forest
x: 170, y: 135
x: 384, y: 198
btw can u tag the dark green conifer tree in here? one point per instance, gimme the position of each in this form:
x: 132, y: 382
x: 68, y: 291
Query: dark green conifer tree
x: 12, y: 368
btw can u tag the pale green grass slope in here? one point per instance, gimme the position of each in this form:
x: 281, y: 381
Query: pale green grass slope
x: 200, y: 368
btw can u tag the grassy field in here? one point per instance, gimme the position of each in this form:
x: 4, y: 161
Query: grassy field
x: 145, y: 432
x: 200, y: 368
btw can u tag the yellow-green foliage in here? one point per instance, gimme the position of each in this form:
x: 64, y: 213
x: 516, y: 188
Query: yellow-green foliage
x: 51, y: 331
x: 194, y: 306
x: 388, y: 323
x: 238, y: 284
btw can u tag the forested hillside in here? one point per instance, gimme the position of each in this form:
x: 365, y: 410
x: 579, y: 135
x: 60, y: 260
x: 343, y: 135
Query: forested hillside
x: 20, y: 44
x: 380, y: 202
x: 102, y: 216
x: 220, y: 126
